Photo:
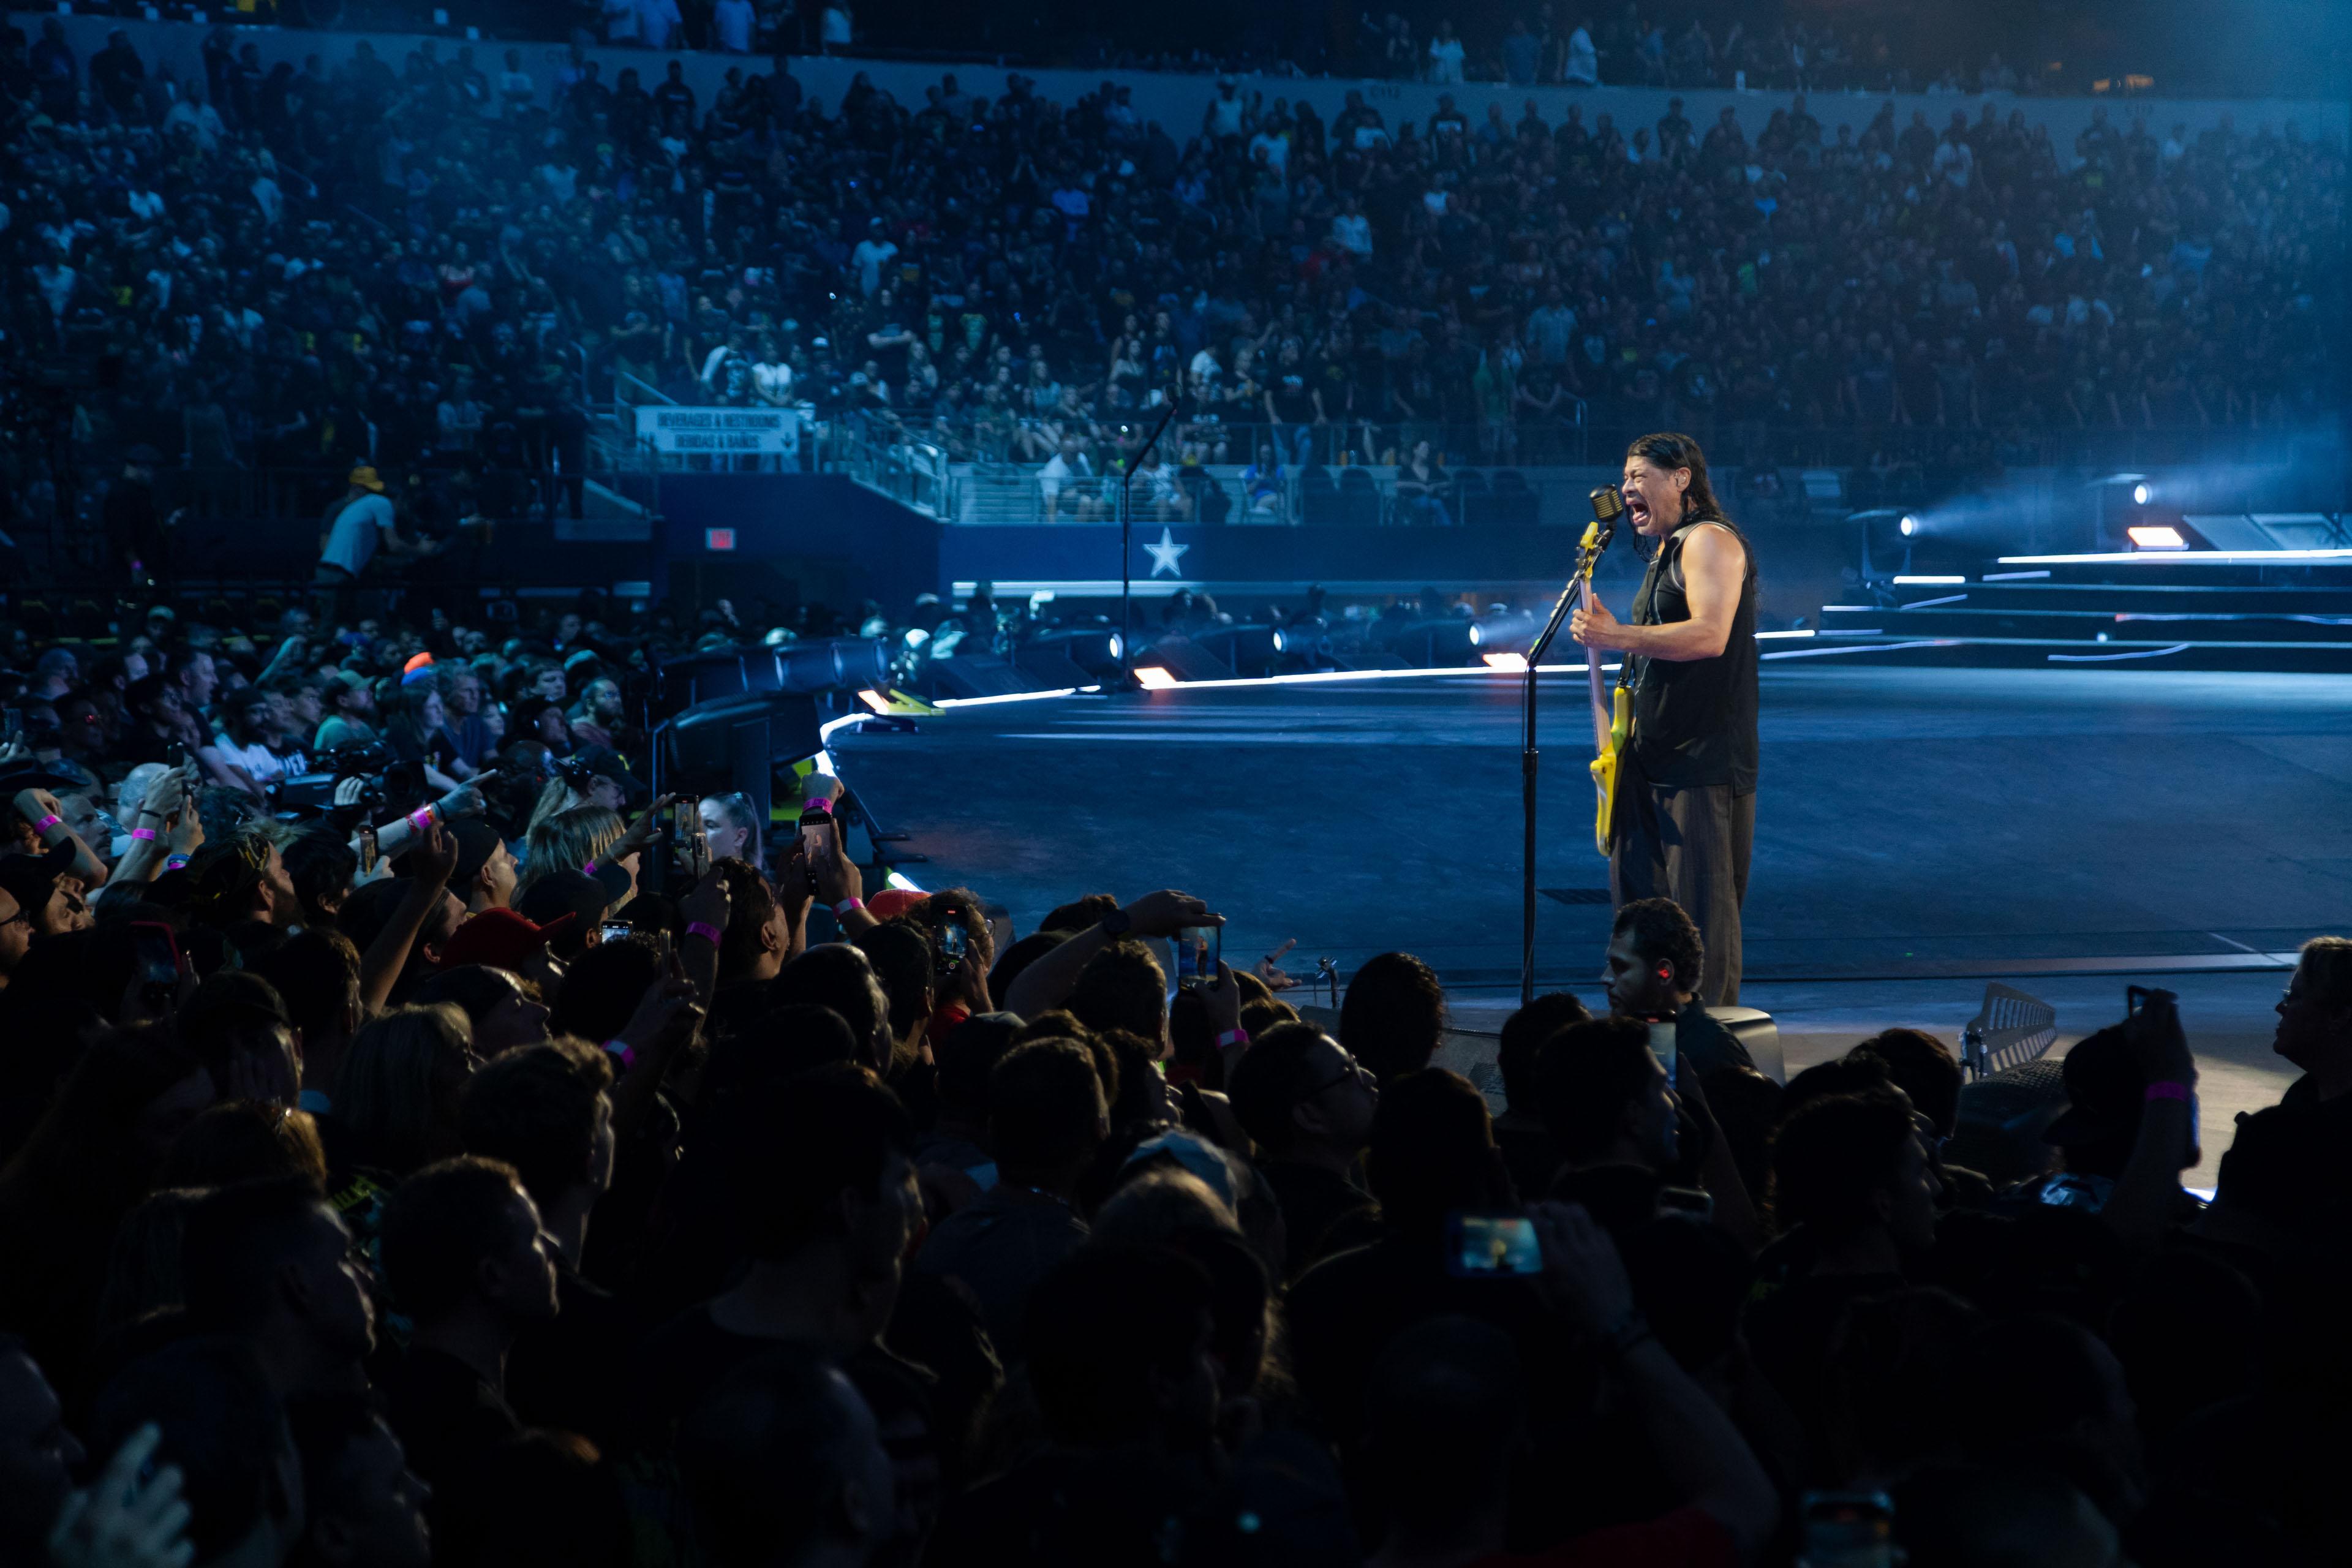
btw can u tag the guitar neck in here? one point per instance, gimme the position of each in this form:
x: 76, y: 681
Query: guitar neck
x: 1593, y: 683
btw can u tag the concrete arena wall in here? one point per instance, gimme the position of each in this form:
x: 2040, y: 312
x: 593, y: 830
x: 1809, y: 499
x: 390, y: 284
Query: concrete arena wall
x: 1176, y: 101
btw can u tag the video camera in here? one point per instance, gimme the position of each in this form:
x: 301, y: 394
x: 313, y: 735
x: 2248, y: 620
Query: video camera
x: 388, y: 785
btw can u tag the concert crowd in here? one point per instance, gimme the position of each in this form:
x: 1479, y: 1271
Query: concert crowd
x: 431, y: 265
x: 419, y: 1145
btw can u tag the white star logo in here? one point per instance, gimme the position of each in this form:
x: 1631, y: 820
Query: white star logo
x: 1167, y: 555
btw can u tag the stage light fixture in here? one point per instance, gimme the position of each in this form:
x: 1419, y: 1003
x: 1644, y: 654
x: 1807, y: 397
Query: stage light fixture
x: 1152, y: 678
x: 876, y: 700
x: 1506, y: 630
x: 2156, y: 536
x: 2140, y: 492
x: 1909, y: 526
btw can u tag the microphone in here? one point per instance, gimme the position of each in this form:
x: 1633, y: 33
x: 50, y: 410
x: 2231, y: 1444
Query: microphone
x: 1608, y: 505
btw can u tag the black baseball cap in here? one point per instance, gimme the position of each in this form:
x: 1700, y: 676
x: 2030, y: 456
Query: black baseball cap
x: 477, y: 842
x: 606, y: 762
x: 575, y: 893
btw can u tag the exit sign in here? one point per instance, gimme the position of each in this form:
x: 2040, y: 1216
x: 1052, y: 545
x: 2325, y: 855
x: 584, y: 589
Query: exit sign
x: 718, y: 539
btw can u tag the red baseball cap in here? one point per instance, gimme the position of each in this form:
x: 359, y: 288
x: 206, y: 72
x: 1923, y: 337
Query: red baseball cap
x: 891, y: 902
x: 498, y: 938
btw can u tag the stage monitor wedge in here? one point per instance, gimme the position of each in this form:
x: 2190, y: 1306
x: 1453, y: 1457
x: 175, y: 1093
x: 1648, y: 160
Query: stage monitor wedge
x: 739, y: 742
x: 828, y: 664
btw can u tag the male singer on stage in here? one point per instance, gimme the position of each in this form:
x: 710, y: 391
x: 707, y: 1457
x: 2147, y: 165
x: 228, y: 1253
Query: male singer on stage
x: 1685, y: 816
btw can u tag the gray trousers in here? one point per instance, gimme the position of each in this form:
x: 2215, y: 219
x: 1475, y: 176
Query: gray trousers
x: 1690, y: 845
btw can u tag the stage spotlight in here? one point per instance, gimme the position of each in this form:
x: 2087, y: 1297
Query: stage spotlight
x: 1504, y: 630
x: 2156, y: 536
x: 2140, y: 492
x: 1909, y: 525
x: 1095, y: 649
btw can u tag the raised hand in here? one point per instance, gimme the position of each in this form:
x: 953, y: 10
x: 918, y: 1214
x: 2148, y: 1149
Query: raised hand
x: 128, y: 1520
x: 1168, y: 911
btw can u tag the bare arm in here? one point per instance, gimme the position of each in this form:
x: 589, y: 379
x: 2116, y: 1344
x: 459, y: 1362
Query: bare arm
x: 2147, y: 1194
x: 1715, y: 567
x: 434, y: 857
x: 1043, y: 986
x: 39, y: 805
x: 705, y: 905
x: 166, y: 813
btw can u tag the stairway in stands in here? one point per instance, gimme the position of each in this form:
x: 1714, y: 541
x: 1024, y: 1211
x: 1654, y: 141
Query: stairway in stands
x: 2178, y: 609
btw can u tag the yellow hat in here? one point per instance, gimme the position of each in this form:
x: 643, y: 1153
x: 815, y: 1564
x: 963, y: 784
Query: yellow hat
x: 366, y: 478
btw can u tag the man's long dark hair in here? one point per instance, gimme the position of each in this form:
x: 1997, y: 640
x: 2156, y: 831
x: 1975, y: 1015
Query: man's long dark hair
x: 1670, y: 449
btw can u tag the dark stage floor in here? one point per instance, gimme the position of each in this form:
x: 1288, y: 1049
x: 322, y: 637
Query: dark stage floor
x: 1913, y: 824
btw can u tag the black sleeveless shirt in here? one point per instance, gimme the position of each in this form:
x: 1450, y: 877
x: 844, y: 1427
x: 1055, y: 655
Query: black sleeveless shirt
x: 1694, y: 722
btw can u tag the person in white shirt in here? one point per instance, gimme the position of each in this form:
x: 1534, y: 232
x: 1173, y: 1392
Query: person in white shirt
x: 1583, y: 69
x: 1445, y: 55
x: 1224, y: 116
x: 1276, y: 148
x: 660, y: 25
x: 713, y: 375
x: 771, y: 375
x: 1068, y: 470
x: 732, y: 20
x: 1351, y: 231
x: 873, y: 253
x: 1156, y: 486
x: 239, y: 757
x: 516, y: 88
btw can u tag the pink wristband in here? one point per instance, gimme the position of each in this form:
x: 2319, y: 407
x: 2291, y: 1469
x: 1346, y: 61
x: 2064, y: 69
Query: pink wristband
x: 706, y: 931
x: 1233, y: 1038
x: 626, y: 1052
x: 589, y: 869
x: 421, y: 819
x: 175, y: 863
x: 146, y: 834
x: 48, y: 822
x: 816, y: 803
x: 2167, y: 1090
x: 846, y: 905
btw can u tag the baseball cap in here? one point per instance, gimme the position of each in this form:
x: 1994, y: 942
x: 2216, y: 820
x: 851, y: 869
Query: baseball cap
x: 606, y: 762
x: 891, y: 902
x: 477, y: 842
x: 499, y: 939
x: 562, y: 895
x: 31, y: 879
x: 366, y: 479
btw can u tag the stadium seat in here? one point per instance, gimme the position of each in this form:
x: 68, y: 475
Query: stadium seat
x: 1318, y: 497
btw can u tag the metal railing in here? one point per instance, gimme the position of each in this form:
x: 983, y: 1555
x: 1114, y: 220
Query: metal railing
x: 885, y: 458
x: 1358, y: 497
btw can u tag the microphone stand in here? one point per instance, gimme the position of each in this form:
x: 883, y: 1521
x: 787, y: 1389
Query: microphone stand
x: 1596, y: 540
x: 1127, y: 550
